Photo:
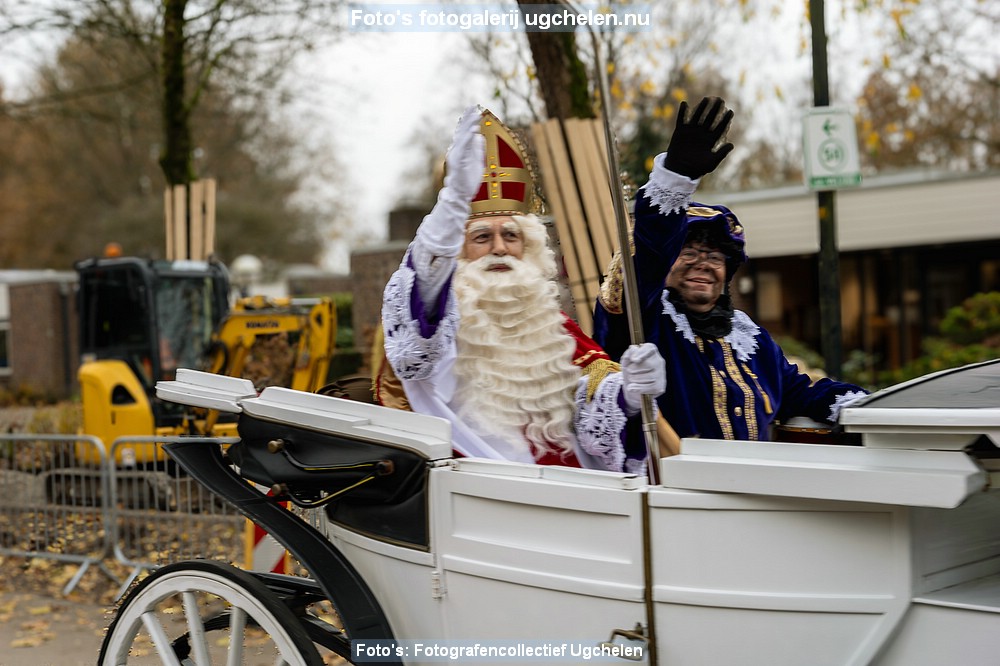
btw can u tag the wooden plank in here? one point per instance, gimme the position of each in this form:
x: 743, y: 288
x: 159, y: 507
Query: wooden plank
x: 197, y: 220
x: 560, y: 195
x: 610, y: 221
x: 168, y: 223
x: 542, y: 134
x: 595, y: 194
x: 179, y: 222
x: 209, y: 216
x: 578, y: 221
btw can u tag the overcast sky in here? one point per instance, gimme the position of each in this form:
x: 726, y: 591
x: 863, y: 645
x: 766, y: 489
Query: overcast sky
x: 378, y: 92
x: 372, y: 94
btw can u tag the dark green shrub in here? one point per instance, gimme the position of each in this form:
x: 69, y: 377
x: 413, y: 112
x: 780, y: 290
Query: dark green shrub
x: 976, y: 320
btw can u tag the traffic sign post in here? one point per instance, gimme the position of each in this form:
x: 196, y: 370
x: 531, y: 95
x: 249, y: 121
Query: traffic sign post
x: 837, y: 168
x: 830, y: 149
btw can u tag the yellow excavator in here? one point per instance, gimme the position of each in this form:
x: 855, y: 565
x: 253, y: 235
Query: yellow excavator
x: 142, y: 319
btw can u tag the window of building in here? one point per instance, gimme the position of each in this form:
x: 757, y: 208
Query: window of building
x: 4, y: 330
x: 4, y: 348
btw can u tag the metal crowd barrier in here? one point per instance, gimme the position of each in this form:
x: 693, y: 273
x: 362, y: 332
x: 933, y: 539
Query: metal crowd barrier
x: 159, y: 515
x: 67, y: 498
x: 53, y: 500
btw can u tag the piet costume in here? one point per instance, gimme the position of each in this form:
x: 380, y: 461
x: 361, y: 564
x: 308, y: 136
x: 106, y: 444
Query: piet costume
x: 494, y: 354
x: 726, y: 377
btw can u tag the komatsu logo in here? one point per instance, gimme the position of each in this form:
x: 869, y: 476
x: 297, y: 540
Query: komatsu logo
x: 267, y: 323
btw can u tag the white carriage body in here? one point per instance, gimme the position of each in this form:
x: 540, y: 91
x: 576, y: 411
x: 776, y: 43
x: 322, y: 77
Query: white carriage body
x: 746, y: 553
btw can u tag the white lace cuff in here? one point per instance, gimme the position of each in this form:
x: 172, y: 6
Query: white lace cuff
x: 842, y: 401
x: 667, y: 190
x: 412, y: 355
x: 637, y: 467
x: 599, y: 423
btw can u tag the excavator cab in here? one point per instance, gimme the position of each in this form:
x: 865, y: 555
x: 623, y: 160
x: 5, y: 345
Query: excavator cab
x: 140, y: 320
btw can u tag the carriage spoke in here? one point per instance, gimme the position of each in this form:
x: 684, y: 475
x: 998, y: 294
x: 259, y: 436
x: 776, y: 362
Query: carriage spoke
x: 160, y: 639
x: 230, y: 617
x: 196, y: 630
x: 237, y: 626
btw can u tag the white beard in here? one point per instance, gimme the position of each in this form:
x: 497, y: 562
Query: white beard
x: 515, y: 371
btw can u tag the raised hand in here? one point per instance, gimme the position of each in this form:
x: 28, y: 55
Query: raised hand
x: 466, y: 157
x: 692, y: 151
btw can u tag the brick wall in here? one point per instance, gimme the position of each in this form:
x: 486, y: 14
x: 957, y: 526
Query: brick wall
x: 43, y: 338
x: 370, y: 271
x: 403, y: 222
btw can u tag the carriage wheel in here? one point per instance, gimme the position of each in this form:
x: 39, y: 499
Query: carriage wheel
x: 205, y: 612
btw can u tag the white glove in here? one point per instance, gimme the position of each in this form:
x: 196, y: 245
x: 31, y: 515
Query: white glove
x: 466, y: 160
x: 442, y: 231
x: 643, y: 373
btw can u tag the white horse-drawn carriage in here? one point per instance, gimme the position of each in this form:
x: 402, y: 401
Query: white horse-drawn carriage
x: 887, y: 552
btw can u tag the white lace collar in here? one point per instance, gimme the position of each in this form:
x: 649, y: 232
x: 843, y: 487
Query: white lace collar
x: 742, y: 338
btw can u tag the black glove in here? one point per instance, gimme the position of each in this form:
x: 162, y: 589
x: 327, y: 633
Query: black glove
x: 691, y: 151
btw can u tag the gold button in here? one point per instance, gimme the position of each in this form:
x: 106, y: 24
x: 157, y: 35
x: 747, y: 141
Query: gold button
x: 738, y: 411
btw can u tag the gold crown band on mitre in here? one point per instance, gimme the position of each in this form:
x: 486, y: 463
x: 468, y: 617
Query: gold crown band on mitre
x: 508, y: 182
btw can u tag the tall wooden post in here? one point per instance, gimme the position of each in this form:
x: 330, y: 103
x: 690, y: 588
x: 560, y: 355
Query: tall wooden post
x: 829, y: 258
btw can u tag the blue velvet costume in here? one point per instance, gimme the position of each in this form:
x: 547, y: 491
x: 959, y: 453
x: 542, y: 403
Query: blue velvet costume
x: 733, y: 387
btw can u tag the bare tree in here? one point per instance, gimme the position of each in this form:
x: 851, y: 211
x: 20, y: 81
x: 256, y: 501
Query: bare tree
x: 184, y: 45
x: 81, y: 169
x: 925, y: 57
x: 561, y: 74
x: 934, y: 99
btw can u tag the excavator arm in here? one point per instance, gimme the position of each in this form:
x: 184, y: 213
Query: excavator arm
x: 277, y: 342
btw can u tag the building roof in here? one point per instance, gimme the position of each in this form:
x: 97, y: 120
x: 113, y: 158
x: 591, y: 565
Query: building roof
x: 28, y: 276
x: 905, y: 209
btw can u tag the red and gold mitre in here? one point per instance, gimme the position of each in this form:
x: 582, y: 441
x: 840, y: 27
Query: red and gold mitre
x: 508, y: 183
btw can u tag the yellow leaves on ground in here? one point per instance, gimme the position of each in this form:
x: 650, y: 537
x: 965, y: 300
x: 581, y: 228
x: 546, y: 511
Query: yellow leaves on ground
x: 34, y: 632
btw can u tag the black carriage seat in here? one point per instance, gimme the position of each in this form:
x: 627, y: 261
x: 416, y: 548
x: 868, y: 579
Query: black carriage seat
x: 366, y: 486
x: 367, y: 465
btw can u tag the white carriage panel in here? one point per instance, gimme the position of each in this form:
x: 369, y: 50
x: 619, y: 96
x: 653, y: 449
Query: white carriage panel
x: 699, y: 636
x: 829, y: 568
x: 402, y: 579
x: 975, y: 421
x: 933, y: 635
x: 940, y: 429
x: 429, y: 436
x: 584, y: 539
x: 859, y: 474
x: 488, y: 609
x: 980, y: 594
x: 777, y: 547
x: 952, y: 546
x: 204, y: 389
